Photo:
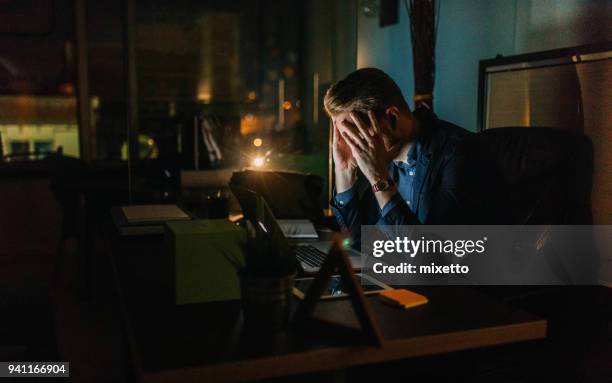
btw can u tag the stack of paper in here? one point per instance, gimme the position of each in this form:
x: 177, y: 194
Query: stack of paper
x: 146, y: 219
x: 153, y: 214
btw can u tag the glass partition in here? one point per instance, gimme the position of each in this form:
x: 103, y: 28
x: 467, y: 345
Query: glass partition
x: 206, y: 88
x: 37, y: 81
x: 223, y: 86
x: 219, y: 83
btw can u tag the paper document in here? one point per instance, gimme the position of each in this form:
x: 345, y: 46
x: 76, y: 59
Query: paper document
x: 153, y: 213
x: 297, y: 228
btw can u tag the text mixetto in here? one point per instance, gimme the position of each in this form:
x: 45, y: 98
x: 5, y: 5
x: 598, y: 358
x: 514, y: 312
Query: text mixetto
x: 408, y: 268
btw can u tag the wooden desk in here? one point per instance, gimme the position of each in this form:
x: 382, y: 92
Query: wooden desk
x: 205, y: 342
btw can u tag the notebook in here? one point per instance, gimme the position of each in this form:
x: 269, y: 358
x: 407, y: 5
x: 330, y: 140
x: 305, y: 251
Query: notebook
x: 150, y: 214
x: 403, y: 298
x: 145, y: 219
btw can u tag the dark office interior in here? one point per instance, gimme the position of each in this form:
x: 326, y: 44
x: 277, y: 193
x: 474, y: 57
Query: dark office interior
x: 163, y: 163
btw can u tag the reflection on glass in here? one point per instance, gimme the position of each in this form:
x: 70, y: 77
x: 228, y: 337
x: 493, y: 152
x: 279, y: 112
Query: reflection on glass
x: 219, y: 82
x: 33, y: 126
x: 220, y: 87
x: 37, y: 88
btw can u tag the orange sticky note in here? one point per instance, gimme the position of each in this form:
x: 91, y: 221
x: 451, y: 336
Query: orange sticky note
x: 403, y: 298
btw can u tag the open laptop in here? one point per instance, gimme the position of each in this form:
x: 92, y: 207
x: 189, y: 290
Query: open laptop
x: 310, y: 254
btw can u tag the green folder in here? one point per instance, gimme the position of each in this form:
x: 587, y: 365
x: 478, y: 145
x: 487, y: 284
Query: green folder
x: 201, y: 249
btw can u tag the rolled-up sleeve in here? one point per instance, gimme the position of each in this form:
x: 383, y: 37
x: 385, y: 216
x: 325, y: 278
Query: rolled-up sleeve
x: 397, y: 212
x: 346, y: 210
x: 343, y: 199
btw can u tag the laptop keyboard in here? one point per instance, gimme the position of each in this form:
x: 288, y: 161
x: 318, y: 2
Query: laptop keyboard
x: 310, y: 255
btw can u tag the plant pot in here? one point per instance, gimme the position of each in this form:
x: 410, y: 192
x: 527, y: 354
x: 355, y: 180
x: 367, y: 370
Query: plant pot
x: 266, y: 302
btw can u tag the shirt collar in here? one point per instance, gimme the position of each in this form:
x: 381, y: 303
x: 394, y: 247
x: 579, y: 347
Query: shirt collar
x: 413, y: 153
x: 411, y: 156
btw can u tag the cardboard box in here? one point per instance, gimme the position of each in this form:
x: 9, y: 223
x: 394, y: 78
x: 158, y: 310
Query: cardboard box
x: 201, y: 269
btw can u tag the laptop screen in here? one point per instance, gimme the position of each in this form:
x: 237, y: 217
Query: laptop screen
x: 256, y: 209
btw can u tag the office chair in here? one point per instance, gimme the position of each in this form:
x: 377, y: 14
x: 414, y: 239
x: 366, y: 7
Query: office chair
x: 538, y: 176
x: 531, y: 176
x: 67, y: 182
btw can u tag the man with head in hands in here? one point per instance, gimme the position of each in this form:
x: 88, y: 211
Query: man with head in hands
x: 392, y: 166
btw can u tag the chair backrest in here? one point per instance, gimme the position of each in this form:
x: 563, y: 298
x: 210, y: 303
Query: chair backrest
x: 531, y: 176
x: 290, y: 195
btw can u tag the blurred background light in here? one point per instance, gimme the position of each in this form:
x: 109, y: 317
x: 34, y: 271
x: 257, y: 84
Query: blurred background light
x: 258, y: 162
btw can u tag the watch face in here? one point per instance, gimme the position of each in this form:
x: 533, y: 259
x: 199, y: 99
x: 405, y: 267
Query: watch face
x: 382, y: 185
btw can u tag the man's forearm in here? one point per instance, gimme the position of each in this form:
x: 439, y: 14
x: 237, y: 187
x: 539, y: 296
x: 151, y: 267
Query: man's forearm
x: 345, y: 179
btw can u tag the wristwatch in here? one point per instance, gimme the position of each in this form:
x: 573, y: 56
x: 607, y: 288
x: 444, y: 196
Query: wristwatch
x: 383, y: 184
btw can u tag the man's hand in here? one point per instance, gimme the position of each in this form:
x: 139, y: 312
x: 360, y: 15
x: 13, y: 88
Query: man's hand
x: 343, y: 158
x: 367, y: 147
x: 345, y: 165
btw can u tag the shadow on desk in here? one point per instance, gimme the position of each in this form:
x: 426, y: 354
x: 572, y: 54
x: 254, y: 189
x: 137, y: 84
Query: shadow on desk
x: 206, y: 341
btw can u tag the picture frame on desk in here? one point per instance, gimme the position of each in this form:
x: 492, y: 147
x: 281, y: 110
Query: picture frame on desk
x: 337, y: 262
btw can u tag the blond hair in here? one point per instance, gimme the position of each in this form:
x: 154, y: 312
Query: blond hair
x: 363, y: 90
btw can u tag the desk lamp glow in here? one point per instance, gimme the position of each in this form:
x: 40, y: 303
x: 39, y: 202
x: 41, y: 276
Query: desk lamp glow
x: 258, y: 162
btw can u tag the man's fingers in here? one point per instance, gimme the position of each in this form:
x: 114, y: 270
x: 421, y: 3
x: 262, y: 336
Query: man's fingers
x: 377, y: 136
x: 357, y: 121
x: 363, y: 130
x: 337, y: 136
x: 335, y: 133
x: 349, y: 141
x: 350, y: 134
x: 373, y: 122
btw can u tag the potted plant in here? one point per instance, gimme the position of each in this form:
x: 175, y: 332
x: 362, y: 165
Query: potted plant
x: 266, y: 279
